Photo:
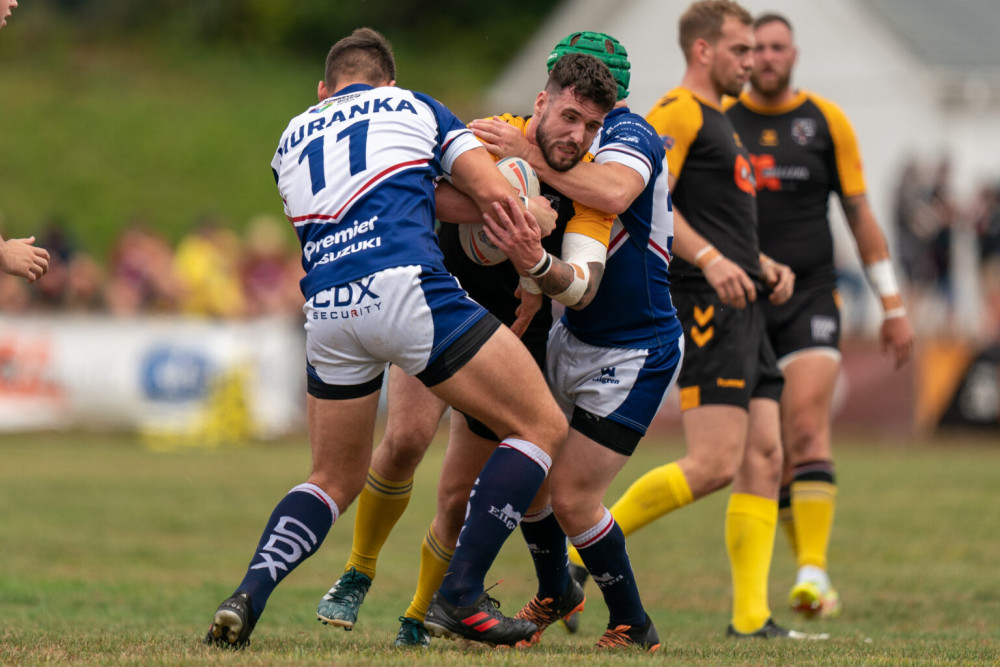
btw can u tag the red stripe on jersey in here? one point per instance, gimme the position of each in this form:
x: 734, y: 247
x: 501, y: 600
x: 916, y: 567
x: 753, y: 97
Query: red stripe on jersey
x: 660, y: 251
x: 617, y: 240
x: 381, y: 175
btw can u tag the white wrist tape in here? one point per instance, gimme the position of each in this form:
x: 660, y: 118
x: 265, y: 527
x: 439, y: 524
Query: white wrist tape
x: 580, y: 250
x: 530, y: 286
x: 882, y: 278
x: 707, y: 256
x: 899, y: 311
x: 543, y: 266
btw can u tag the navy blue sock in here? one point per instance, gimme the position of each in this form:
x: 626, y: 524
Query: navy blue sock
x: 602, y: 549
x: 506, y: 486
x: 297, y: 527
x: 547, y: 544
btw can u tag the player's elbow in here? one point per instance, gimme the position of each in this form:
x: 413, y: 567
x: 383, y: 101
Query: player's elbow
x: 617, y: 199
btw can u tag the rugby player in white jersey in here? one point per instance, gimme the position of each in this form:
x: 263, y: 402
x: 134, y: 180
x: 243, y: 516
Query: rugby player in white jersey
x: 357, y: 174
x: 612, y: 357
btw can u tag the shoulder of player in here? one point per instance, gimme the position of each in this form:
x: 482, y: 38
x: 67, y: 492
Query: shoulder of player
x: 677, y: 111
x: 628, y: 129
x: 520, y: 122
x: 832, y: 111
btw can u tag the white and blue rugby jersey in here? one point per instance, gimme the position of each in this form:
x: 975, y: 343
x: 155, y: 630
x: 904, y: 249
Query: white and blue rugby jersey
x: 357, y: 173
x: 632, y: 307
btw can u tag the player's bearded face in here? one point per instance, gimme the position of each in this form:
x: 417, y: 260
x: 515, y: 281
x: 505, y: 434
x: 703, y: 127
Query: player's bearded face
x: 565, y: 129
x: 773, y: 57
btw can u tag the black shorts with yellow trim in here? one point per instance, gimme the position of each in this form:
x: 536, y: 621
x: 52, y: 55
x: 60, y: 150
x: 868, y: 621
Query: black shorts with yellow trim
x: 728, y: 359
x: 810, y: 319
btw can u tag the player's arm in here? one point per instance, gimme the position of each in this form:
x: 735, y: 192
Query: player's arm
x: 896, y: 332
x: 474, y: 174
x: 573, y: 281
x: 610, y: 187
x: 20, y: 257
x: 454, y: 206
x: 729, y: 281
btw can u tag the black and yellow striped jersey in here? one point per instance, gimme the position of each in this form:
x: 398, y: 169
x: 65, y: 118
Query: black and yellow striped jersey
x: 714, y: 188
x: 801, y: 151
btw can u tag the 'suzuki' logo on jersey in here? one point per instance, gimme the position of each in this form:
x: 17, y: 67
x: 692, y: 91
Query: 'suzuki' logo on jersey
x: 339, y: 237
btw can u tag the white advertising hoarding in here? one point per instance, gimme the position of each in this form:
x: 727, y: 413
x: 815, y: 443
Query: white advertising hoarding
x: 170, y: 376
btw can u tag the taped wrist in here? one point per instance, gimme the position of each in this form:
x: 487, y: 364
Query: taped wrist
x: 883, y: 281
x: 707, y: 256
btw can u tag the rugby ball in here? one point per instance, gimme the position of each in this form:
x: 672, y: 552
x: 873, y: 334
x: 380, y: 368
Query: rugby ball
x: 472, y: 237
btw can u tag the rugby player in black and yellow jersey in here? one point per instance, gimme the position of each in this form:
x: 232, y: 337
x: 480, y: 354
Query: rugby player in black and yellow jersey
x: 803, y: 148
x: 729, y: 383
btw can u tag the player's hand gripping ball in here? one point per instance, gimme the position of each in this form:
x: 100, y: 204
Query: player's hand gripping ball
x: 474, y: 242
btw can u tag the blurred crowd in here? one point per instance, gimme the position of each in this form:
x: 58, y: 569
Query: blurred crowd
x: 947, y: 247
x: 216, y: 272
x: 212, y: 272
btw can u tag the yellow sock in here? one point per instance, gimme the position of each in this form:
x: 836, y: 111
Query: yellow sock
x: 813, y: 504
x: 750, y: 525
x: 434, y: 560
x: 380, y: 504
x: 660, y: 491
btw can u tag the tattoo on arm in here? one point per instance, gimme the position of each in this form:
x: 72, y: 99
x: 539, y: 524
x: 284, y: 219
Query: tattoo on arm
x: 852, y: 207
x: 562, y: 274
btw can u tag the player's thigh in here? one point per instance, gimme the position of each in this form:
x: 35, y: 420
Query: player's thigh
x: 810, y: 378
x: 715, y: 436
x: 503, y: 387
x: 340, y: 435
x: 414, y: 413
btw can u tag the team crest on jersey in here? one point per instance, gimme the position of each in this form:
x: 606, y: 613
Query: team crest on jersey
x: 769, y: 138
x: 668, y: 142
x: 803, y: 130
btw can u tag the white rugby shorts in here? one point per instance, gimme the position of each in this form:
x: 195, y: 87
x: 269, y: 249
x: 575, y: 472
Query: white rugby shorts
x: 406, y: 315
x: 620, y: 384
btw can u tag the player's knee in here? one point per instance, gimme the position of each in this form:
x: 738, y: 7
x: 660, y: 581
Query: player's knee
x: 553, y: 429
x: 711, y: 472
x: 343, y: 488
x: 572, y: 512
x: 768, y: 455
x: 406, y: 446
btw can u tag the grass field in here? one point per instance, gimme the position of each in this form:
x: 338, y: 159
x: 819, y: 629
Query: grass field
x: 112, y: 554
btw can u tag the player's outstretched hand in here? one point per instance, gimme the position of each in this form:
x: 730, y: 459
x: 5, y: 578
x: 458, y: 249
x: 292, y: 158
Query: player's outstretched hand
x: 500, y: 138
x: 897, y: 335
x: 530, y: 304
x: 515, y: 233
x: 780, y: 278
x: 731, y: 283
x: 20, y: 257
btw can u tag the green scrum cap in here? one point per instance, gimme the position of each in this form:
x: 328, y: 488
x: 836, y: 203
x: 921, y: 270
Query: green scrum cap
x: 602, y: 46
